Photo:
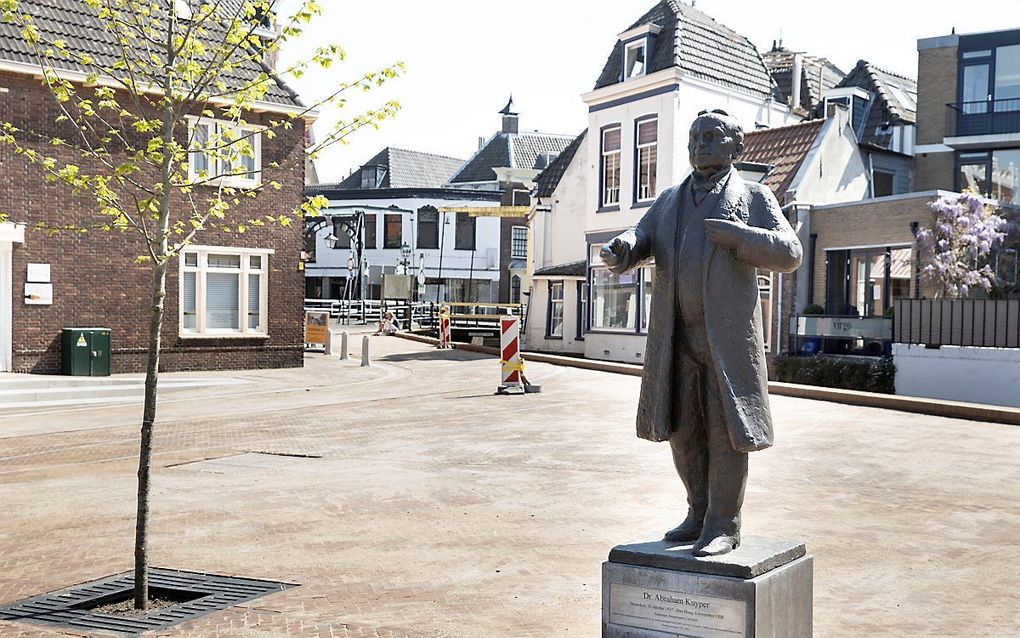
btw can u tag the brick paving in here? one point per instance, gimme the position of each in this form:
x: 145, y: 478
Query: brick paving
x: 408, y: 501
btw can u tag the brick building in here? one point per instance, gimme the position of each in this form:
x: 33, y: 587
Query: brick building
x: 233, y: 300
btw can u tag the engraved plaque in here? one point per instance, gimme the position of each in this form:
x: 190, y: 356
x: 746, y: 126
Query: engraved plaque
x: 676, y: 612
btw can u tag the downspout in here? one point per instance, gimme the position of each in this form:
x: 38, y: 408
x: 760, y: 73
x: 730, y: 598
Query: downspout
x: 871, y: 176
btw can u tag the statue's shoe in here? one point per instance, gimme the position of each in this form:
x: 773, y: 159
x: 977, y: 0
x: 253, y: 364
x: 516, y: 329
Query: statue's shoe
x: 686, y: 532
x: 716, y: 545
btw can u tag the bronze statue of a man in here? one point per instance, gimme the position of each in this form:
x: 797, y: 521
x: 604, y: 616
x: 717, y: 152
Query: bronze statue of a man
x: 705, y: 384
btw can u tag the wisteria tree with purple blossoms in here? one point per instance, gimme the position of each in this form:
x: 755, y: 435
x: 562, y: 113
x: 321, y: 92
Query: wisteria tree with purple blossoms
x: 954, y: 253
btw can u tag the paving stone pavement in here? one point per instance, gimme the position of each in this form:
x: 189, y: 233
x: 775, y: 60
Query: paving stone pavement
x: 408, y: 501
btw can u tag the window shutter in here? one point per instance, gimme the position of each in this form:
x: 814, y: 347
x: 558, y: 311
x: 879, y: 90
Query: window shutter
x: 222, y: 291
x: 190, y: 302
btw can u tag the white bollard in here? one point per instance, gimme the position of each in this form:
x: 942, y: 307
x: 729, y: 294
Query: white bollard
x: 328, y: 346
x: 345, y: 354
x: 365, y: 361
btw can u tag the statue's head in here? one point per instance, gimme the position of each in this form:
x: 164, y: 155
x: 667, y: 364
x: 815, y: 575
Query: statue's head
x: 716, y: 141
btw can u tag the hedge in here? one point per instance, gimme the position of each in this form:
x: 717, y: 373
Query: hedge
x: 870, y: 375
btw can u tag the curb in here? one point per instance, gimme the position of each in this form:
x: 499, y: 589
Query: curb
x: 917, y: 405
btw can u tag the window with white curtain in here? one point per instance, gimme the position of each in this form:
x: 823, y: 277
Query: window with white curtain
x: 223, y: 291
x: 646, y: 154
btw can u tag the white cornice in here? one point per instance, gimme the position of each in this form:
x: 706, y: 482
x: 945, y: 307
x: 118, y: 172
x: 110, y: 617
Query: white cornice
x: 34, y: 70
x: 651, y: 28
x: 631, y: 87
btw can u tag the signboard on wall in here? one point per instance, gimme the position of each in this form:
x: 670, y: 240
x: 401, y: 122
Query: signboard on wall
x: 38, y: 294
x: 847, y: 327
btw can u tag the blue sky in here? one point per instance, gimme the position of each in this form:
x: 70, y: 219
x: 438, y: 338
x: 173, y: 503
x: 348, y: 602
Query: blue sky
x: 465, y: 57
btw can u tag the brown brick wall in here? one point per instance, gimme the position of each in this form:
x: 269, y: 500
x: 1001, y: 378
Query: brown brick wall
x: 934, y: 171
x: 936, y: 87
x: 96, y: 283
x: 875, y: 223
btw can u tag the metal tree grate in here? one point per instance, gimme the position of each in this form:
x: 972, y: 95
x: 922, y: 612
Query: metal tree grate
x: 200, y: 594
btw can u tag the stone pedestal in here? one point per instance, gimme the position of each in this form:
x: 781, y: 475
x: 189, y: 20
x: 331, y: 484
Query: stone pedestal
x: 763, y: 589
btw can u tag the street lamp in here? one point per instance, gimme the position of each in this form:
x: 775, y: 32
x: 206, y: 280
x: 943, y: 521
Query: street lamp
x: 405, y: 262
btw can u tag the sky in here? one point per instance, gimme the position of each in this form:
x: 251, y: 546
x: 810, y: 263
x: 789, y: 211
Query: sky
x: 465, y: 57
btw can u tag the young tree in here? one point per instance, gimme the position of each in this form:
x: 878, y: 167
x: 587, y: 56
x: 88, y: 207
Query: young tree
x: 132, y: 137
x: 954, y: 253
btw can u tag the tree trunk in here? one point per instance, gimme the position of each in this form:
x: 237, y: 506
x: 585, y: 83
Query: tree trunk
x: 145, y: 446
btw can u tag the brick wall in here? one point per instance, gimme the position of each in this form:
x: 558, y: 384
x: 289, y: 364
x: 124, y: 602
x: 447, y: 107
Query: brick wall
x: 96, y: 283
x: 936, y: 87
x: 879, y: 222
x: 933, y: 171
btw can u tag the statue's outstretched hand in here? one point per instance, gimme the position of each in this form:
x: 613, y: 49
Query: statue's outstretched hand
x: 613, y: 253
x: 725, y: 232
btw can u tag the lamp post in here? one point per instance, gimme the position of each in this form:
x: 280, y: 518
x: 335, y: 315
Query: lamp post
x: 405, y: 262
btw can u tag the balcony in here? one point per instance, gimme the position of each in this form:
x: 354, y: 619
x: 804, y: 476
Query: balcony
x: 995, y: 121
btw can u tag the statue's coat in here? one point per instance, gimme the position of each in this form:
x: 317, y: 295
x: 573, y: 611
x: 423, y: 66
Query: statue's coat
x: 732, y: 312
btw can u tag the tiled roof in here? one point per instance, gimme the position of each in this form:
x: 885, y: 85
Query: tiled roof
x: 573, y: 269
x: 818, y: 74
x: 551, y: 176
x: 510, y: 150
x: 893, y: 101
x: 405, y: 169
x: 698, y: 45
x: 784, y: 148
x: 78, y: 25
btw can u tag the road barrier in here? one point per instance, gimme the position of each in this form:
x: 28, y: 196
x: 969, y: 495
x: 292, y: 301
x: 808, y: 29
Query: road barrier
x: 511, y: 363
x: 444, y: 329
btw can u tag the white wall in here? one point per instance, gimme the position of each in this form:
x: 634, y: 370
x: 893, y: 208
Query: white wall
x: 456, y: 263
x: 974, y: 375
x: 558, y: 234
x: 538, y: 308
x: 835, y: 170
x: 676, y: 111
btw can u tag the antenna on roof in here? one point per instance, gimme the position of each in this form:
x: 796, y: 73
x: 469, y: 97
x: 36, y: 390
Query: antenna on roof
x: 953, y: 32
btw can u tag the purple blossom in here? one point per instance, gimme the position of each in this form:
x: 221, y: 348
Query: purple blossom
x: 954, y: 252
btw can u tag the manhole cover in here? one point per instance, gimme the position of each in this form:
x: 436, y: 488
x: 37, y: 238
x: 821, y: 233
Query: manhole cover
x: 199, y: 594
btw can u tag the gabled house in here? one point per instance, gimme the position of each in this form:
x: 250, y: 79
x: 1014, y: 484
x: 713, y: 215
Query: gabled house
x: 233, y: 300
x: 387, y: 217
x: 557, y: 320
x: 664, y: 68
x: 811, y: 164
x: 883, y: 112
x: 802, y: 79
x: 508, y: 163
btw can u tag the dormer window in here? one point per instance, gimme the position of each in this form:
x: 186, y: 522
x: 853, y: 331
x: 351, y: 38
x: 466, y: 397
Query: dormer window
x: 372, y: 177
x: 634, y: 59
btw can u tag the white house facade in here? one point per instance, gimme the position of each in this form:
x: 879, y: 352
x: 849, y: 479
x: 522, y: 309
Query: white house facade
x: 393, y: 209
x: 674, y: 62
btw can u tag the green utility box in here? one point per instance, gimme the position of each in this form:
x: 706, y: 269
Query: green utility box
x: 85, y: 352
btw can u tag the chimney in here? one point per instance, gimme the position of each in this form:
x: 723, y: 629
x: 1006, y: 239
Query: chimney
x: 796, y: 76
x: 510, y: 119
x: 481, y: 142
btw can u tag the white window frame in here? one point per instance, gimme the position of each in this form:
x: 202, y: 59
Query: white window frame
x: 217, y: 166
x: 606, y: 197
x: 202, y: 269
x: 641, y: 149
x: 631, y: 46
x: 513, y: 243
x: 554, y: 304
